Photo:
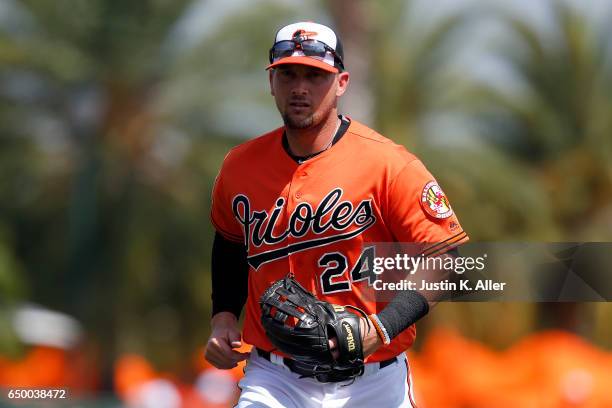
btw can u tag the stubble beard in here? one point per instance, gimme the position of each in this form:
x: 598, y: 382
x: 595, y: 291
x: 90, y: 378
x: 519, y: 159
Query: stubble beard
x: 313, y: 119
x: 293, y: 122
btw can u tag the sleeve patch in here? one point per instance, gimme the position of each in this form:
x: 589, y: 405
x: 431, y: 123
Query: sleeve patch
x: 434, y: 201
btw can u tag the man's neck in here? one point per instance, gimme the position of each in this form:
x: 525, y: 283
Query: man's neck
x: 305, y: 142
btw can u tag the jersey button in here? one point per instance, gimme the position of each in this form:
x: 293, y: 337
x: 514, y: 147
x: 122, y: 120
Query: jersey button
x: 298, y: 194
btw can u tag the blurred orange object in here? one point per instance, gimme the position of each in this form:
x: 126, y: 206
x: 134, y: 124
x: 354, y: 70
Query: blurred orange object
x: 131, y: 371
x: 545, y: 370
x: 139, y: 385
x: 573, y: 372
x: 43, y: 366
x: 467, y: 371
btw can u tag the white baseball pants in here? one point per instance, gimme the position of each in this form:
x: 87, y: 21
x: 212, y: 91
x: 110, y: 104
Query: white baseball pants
x: 271, y: 385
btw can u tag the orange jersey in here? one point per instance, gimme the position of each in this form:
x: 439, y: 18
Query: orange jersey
x: 315, y: 219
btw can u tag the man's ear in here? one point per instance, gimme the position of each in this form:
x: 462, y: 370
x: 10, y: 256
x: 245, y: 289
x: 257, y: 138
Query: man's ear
x: 270, y: 76
x: 343, y: 81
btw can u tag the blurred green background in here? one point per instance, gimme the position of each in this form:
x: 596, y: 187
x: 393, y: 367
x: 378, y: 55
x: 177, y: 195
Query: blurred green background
x: 115, y: 117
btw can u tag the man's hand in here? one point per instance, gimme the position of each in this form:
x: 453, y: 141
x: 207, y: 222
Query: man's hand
x: 370, y: 340
x: 225, y: 336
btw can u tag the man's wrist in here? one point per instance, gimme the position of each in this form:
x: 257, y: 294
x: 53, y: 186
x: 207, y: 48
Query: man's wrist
x: 371, y: 341
x: 224, y: 319
x: 381, y: 331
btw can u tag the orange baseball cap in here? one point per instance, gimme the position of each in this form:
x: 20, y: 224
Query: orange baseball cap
x: 307, y: 43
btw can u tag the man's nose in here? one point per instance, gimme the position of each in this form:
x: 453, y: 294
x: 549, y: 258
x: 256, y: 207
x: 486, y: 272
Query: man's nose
x: 299, y: 87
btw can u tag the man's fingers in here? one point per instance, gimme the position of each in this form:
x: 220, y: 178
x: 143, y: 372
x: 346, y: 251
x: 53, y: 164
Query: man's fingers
x: 224, y: 339
x: 225, y: 361
x: 220, y: 345
x: 222, y: 364
x: 333, y: 346
x: 237, y: 356
x: 220, y: 354
x: 233, y: 337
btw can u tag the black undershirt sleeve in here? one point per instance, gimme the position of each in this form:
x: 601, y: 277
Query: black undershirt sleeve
x: 405, y: 309
x: 230, y: 275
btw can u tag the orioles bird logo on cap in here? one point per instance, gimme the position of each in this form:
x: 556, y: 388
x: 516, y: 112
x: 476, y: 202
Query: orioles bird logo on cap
x: 301, y: 35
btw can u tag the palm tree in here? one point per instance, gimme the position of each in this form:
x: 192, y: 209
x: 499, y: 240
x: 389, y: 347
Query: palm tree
x: 415, y: 84
x: 77, y: 85
x: 561, y: 124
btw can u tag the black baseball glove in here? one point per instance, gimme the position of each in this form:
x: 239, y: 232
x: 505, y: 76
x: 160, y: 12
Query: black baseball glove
x: 300, y: 325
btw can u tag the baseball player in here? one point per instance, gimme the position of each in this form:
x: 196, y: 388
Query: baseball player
x: 304, y: 201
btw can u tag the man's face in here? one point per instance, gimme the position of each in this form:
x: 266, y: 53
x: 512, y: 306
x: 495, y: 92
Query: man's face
x: 306, y: 95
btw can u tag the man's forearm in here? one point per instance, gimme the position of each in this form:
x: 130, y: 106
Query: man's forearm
x: 229, y: 276
x: 409, y: 306
x: 405, y: 309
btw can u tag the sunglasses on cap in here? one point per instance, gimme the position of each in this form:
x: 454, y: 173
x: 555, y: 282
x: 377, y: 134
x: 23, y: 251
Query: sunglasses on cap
x: 310, y: 48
